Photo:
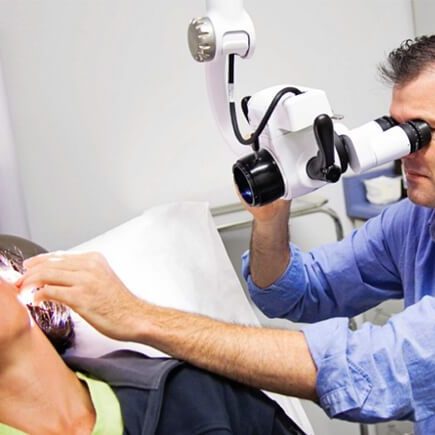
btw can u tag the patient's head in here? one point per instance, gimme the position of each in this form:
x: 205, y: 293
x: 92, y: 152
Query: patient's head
x: 52, y: 318
x: 55, y: 321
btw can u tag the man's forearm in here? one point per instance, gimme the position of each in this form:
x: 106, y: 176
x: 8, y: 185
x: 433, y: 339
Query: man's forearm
x: 269, y: 250
x: 271, y: 359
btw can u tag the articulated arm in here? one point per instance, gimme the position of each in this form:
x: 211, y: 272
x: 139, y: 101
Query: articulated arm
x: 227, y: 29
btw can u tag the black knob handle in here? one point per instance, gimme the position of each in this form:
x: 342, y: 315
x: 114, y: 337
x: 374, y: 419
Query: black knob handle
x: 322, y: 166
x: 324, y: 132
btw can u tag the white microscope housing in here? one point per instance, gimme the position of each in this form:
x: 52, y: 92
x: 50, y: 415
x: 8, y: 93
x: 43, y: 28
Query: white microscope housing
x: 289, y: 139
x: 301, y: 149
x: 296, y: 145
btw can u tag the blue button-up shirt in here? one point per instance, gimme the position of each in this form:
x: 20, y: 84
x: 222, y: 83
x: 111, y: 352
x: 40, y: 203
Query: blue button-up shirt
x: 377, y: 372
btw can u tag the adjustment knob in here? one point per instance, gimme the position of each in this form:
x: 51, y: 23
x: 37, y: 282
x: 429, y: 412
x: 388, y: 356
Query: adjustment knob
x: 332, y: 173
x: 322, y: 166
x: 202, y: 39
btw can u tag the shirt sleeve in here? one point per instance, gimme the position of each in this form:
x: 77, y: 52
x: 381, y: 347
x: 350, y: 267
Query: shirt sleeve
x: 338, y: 279
x: 377, y: 373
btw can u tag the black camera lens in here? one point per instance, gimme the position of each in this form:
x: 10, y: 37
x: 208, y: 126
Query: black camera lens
x: 258, y: 178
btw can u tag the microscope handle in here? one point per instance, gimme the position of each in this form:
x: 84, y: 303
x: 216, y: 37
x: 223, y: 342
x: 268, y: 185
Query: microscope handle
x: 322, y: 166
x: 324, y: 132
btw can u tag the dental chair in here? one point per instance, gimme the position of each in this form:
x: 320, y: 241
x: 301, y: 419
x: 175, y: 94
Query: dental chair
x: 18, y: 244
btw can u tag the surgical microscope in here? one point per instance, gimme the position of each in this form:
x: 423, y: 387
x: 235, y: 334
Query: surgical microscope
x: 296, y: 145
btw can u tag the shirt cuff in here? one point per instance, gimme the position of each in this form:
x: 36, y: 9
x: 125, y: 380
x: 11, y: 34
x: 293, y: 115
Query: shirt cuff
x: 341, y: 385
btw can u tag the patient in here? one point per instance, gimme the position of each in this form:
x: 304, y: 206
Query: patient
x: 122, y: 392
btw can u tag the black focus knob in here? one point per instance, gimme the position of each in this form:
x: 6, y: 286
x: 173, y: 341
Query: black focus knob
x: 332, y: 173
x: 322, y: 166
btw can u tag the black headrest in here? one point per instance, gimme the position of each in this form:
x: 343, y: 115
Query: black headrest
x: 26, y: 247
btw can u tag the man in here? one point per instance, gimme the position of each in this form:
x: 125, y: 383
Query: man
x: 391, y: 257
x: 373, y: 374
x: 120, y: 393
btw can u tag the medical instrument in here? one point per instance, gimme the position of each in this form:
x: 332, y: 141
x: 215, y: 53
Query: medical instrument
x: 297, y: 144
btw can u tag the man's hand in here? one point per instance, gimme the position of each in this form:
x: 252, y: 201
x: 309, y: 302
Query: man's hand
x: 276, y: 210
x: 87, y: 284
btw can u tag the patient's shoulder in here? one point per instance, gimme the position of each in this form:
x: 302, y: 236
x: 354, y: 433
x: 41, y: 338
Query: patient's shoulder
x: 125, y: 368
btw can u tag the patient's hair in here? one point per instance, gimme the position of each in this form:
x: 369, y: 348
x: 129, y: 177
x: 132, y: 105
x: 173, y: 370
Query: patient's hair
x: 406, y: 63
x: 53, y: 318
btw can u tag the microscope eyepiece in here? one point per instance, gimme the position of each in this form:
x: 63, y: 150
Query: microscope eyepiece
x: 419, y: 133
x: 258, y: 178
x: 386, y: 122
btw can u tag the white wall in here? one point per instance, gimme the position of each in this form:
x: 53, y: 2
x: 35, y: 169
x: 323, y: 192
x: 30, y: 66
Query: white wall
x: 110, y: 114
x: 424, y: 17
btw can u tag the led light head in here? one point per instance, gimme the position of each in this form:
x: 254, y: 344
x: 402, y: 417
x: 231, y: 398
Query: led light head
x: 202, y: 39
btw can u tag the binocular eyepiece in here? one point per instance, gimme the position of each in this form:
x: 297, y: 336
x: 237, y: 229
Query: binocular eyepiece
x: 260, y: 181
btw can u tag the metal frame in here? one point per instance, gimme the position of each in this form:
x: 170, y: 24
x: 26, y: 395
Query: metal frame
x: 300, y: 207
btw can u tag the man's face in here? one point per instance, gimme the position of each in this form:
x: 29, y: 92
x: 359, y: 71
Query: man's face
x: 416, y: 100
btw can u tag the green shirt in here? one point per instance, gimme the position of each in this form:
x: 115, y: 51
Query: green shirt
x: 106, y: 405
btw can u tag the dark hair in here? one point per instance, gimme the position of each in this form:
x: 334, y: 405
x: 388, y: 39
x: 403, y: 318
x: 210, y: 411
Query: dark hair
x: 55, y: 321
x: 53, y: 318
x: 407, y: 62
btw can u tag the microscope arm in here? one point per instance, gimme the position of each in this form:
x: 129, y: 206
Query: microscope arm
x: 227, y: 29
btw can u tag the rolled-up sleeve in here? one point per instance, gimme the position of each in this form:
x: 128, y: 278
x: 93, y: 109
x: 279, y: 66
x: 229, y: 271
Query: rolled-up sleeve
x: 377, y: 373
x: 340, y: 279
x: 278, y: 299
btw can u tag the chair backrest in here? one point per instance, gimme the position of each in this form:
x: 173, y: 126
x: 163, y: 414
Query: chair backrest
x: 357, y: 206
x: 26, y: 247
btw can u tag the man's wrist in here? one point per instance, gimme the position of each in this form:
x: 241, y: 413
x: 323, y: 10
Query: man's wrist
x: 151, y: 325
x: 136, y: 322
x: 270, y: 253
x: 274, y: 235
x: 275, y: 220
